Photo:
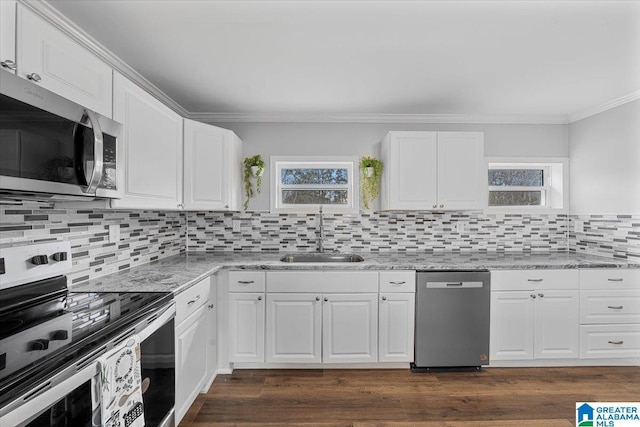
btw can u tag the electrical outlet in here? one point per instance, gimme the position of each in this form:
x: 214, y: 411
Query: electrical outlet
x: 114, y: 233
x: 460, y: 227
x: 235, y: 224
x: 578, y: 226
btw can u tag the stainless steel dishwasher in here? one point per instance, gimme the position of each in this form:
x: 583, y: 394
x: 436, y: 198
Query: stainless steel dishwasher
x: 452, y: 319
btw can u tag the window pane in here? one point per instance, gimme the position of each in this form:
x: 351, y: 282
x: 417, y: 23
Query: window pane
x: 515, y: 198
x: 331, y: 176
x: 516, y: 177
x: 314, y: 197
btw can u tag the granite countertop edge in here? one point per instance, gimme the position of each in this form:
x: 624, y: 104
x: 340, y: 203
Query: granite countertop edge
x: 179, y: 272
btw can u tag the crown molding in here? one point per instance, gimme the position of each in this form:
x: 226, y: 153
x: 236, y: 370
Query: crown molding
x: 64, y: 24
x: 377, y: 118
x: 588, y: 112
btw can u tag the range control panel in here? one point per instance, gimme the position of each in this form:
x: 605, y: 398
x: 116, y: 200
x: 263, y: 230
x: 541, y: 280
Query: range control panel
x: 24, y: 264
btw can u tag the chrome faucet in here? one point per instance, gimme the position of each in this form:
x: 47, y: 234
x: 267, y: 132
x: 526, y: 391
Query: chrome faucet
x: 321, y: 238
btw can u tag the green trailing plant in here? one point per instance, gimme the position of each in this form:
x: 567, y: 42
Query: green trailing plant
x: 253, y: 168
x: 371, y: 173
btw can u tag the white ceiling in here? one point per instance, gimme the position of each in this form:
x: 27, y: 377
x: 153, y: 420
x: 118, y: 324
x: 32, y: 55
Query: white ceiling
x: 331, y: 58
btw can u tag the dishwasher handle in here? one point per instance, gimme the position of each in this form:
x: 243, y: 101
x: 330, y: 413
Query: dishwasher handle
x: 454, y: 285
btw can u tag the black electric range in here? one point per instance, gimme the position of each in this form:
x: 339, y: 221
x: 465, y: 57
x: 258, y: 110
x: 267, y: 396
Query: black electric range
x: 45, y: 328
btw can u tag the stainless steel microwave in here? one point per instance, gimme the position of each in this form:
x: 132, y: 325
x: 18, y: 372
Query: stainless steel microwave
x: 51, y: 146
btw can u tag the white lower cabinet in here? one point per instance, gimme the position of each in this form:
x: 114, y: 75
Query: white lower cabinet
x: 191, y: 360
x: 396, y: 318
x: 246, y: 327
x: 541, y: 322
x: 350, y: 328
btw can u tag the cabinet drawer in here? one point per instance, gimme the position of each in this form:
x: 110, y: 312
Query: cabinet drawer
x: 519, y: 280
x: 602, y: 341
x: 612, y: 278
x: 246, y: 281
x: 322, y: 281
x: 610, y: 306
x: 193, y: 298
x: 397, y: 281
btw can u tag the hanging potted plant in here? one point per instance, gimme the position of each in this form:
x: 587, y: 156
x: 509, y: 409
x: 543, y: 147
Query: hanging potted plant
x: 253, y: 168
x: 371, y: 172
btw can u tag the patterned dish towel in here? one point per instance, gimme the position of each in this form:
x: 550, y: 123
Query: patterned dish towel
x: 119, y: 386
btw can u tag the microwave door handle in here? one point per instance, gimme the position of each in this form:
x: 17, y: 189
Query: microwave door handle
x: 98, y: 152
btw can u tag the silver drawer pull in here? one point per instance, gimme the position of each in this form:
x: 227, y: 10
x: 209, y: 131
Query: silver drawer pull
x: 398, y: 283
x: 246, y: 282
x: 615, y: 307
x: 454, y: 284
x: 615, y: 280
x: 535, y: 280
x: 194, y: 300
x: 616, y: 342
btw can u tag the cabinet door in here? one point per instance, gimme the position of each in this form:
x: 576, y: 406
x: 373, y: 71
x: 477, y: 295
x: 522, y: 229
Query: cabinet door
x: 396, y: 330
x: 191, y: 360
x: 350, y: 328
x: 294, y: 323
x: 512, y: 323
x: 246, y: 327
x: 211, y: 166
x: 461, y: 184
x: 152, y: 170
x: 409, y: 176
x: 212, y: 339
x: 62, y: 65
x: 557, y: 329
x: 8, y: 35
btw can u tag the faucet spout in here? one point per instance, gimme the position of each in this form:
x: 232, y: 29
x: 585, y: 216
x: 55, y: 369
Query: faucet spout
x: 321, y: 237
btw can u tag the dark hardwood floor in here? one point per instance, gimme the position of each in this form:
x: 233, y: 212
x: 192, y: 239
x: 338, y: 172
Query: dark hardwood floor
x: 496, y: 397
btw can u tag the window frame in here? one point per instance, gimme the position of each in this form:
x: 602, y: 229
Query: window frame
x: 277, y: 163
x: 555, y: 183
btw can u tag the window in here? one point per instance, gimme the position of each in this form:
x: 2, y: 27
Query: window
x: 303, y: 184
x: 526, y: 185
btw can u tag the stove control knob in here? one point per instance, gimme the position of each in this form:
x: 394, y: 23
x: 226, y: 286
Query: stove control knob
x: 60, y: 335
x: 36, y: 345
x: 39, y: 260
x: 59, y: 256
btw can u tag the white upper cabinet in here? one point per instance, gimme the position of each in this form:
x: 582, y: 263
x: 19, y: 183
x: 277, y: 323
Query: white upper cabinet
x: 50, y: 58
x: 8, y: 35
x: 212, y: 168
x: 152, y: 134
x: 432, y: 170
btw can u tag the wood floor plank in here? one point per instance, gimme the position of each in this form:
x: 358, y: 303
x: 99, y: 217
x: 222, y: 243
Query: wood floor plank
x: 536, y: 397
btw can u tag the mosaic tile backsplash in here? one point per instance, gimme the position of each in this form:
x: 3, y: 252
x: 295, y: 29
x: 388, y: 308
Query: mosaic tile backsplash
x: 613, y: 236
x: 378, y: 232
x: 144, y: 235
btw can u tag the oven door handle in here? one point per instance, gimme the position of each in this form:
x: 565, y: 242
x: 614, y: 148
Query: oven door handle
x: 148, y: 326
x: 31, y: 404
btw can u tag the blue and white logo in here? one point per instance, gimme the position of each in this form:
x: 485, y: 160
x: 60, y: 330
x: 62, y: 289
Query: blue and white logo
x: 608, y: 414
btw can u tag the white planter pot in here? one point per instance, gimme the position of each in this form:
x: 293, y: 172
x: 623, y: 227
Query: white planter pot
x: 256, y: 171
x: 368, y: 172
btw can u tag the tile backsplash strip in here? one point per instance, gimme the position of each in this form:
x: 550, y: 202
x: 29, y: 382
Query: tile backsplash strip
x: 144, y: 235
x: 613, y: 236
x: 379, y: 232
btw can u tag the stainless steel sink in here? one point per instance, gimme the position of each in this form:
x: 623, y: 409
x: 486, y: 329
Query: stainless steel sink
x: 322, y: 257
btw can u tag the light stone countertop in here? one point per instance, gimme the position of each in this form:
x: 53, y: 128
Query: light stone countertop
x: 177, y: 273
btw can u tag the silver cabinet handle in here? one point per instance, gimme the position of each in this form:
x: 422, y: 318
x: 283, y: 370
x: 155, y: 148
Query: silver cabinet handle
x: 384, y: 298
x: 194, y: 300
x: 226, y: 206
x: 326, y: 299
x: 180, y: 205
x: 246, y: 282
x: 210, y: 306
x: 615, y: 280
x: 533, y: 296
x: 454, y: 284
x: 435, y: 206
x: 535, y: 280
x: 616, y: 342
x: 260, y: 298
x: 34, y: 77
x: 98, y: 151
x: 398, y: 283
x: 8, y: 64
x: 317, y: 298
x: 541, y: 295
x: 615, y: 307
x: 442, y: 206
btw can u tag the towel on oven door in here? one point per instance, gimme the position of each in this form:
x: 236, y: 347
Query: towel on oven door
x: 119, y: 385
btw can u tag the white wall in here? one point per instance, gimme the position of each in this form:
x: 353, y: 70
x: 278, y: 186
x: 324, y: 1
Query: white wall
x: 604, y: 154
x: 361, y: 139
